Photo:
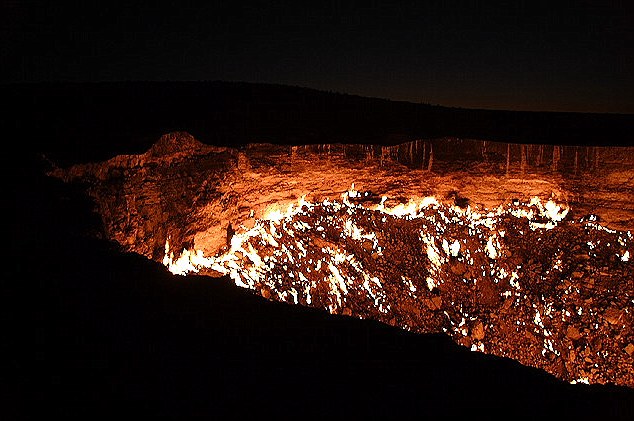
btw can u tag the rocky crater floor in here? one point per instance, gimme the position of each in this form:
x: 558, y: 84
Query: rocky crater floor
x: 521, y: 251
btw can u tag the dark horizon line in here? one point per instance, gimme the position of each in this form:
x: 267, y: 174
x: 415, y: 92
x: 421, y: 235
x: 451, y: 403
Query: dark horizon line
x: 276, y: 84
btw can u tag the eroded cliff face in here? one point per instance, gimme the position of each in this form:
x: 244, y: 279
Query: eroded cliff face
x: 520, y: 251
x: 141, y: 197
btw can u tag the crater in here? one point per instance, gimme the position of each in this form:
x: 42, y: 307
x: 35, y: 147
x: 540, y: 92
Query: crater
x: 525, y: 256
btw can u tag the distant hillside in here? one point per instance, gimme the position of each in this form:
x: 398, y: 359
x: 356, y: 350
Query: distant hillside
x: 79, y: 122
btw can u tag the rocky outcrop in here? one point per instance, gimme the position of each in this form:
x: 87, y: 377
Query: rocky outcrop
x: 141, y: 197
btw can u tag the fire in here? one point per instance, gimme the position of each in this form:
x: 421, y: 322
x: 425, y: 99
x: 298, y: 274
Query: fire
x: 337, y: 254
x: 438, y: 246
x: 265, y: 231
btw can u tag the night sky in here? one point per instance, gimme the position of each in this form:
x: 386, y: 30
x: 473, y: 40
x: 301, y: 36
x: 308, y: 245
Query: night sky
x: 576, y: 56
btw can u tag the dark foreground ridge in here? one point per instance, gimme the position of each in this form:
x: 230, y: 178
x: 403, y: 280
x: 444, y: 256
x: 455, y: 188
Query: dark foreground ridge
x: 101, y: 332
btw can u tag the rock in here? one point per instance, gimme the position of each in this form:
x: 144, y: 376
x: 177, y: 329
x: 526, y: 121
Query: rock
x: 573, y: 333
x: 629, y: 349
x: 434, y: 303
x: 174, y: 143
x: 577, y: 275
x: 507, y: 303
x: 265, y: 293
x: 528, y: 335
x: 487, y: 292
x: 572, y: 355
x: 458, y: 268
x: 613, y: 315
x: 478, y: 331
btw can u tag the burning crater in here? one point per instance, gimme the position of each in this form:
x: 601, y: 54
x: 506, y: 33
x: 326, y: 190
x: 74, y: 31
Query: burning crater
x: 521, y: 251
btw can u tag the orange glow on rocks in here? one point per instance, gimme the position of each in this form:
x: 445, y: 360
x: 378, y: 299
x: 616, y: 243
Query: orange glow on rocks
x: 504, y: 259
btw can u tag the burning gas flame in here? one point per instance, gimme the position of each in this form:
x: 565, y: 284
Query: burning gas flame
x: 330, y: 255
x: 265, y: 228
